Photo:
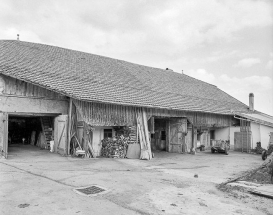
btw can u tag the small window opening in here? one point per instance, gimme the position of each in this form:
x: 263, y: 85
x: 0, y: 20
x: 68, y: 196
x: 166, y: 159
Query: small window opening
x: 108, y: 133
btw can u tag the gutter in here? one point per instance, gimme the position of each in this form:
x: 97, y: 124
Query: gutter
x: 252, y: 120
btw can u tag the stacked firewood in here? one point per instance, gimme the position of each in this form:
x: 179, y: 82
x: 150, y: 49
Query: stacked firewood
x: 132, y: 134
x: 115, y: 147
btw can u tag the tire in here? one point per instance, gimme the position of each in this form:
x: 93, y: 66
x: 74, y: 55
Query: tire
x: 264, y: 155
x: 212, y: 150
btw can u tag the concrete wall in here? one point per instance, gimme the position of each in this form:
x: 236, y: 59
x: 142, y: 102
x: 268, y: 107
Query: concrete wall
x: 98, y: 137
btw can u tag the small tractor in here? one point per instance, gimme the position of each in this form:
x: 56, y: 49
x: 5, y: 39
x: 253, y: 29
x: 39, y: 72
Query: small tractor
x: 221, y: 146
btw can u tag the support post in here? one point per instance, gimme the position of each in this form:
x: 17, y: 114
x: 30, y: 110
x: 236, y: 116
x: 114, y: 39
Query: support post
x: 192, y: 136
x: 69, y: 127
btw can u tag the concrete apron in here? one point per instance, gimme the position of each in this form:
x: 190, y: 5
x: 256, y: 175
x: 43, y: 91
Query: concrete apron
x: 164, y: 185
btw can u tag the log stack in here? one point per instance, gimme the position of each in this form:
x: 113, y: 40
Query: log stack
x: 115, y: 147
x: 132, y: 135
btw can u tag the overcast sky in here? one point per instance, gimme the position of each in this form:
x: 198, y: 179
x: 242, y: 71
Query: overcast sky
x: 226, y: 43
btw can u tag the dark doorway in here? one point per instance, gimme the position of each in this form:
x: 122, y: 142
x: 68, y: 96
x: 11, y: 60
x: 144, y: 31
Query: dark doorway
x: 20, y: 129
x: 158, y: 139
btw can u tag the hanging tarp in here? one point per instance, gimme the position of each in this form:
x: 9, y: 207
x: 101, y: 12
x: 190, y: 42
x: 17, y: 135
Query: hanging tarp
x: 143, y: 134
x: 100, y: 114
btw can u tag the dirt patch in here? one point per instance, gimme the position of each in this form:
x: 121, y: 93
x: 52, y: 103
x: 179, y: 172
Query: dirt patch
x: 262, y: 176
x: 242, y: 195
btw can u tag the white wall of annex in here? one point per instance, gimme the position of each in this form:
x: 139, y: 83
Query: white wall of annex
x: 222, y: 134
x: 265, y: 132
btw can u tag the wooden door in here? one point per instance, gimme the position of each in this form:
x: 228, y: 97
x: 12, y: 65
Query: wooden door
x: 242, y: 141
x: 4, y: 135
x: 177, y: 135
x: 60, y: 134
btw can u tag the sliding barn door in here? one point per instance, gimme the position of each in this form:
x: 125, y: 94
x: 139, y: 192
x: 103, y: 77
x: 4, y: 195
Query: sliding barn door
x: 4, y: 135
x: 60, y: 134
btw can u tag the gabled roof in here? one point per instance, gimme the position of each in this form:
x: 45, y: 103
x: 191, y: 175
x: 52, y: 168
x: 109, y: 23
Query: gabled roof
x: 92, y: 77
x: 258, y: 117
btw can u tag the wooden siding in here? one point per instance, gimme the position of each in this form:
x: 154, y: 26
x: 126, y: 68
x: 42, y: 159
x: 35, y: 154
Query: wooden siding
x: 101, y: 114
x: 21, y: 88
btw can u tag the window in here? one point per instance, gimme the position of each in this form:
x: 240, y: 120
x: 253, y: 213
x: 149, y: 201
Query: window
x: 108, y: 133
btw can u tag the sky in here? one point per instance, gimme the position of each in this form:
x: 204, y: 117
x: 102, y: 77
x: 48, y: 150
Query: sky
x: 228, y: 43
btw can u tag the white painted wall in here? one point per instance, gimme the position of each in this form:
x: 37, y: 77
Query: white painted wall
x: 98, y: 137
x: 260, y: 133
x: 222, y: 134
x: 265, y: 132
x: 255, y: 131
x: 227, y: 134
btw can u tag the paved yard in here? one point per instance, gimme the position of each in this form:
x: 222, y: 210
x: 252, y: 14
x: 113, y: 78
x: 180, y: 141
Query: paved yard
x: 35, y: 181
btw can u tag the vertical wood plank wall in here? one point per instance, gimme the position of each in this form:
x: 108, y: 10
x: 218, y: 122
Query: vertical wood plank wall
x: 21, y: 88
x: 101, y: 114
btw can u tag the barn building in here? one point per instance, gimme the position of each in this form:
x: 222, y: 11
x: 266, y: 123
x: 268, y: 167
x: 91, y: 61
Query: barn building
x: 75, y: 101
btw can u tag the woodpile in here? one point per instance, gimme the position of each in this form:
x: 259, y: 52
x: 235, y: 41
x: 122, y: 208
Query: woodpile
x: 133, y: 135
x: 115, y: 147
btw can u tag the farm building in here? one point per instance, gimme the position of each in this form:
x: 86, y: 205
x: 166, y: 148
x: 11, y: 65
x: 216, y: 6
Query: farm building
x: 84, y: 103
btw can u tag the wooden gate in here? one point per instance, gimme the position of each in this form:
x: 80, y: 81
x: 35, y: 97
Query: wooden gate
x: 177, y: 130
x: 4, y: 135
x: 242, y: 141
x: 60, y: 134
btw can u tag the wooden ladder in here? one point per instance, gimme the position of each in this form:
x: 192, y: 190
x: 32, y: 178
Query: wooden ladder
x: 46, y: 123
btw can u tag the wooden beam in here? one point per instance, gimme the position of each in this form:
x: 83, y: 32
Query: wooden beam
x: 67, y: 147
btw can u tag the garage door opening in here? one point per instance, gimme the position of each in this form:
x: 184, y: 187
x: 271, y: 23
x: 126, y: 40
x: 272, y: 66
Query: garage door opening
x: 27, y: 131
